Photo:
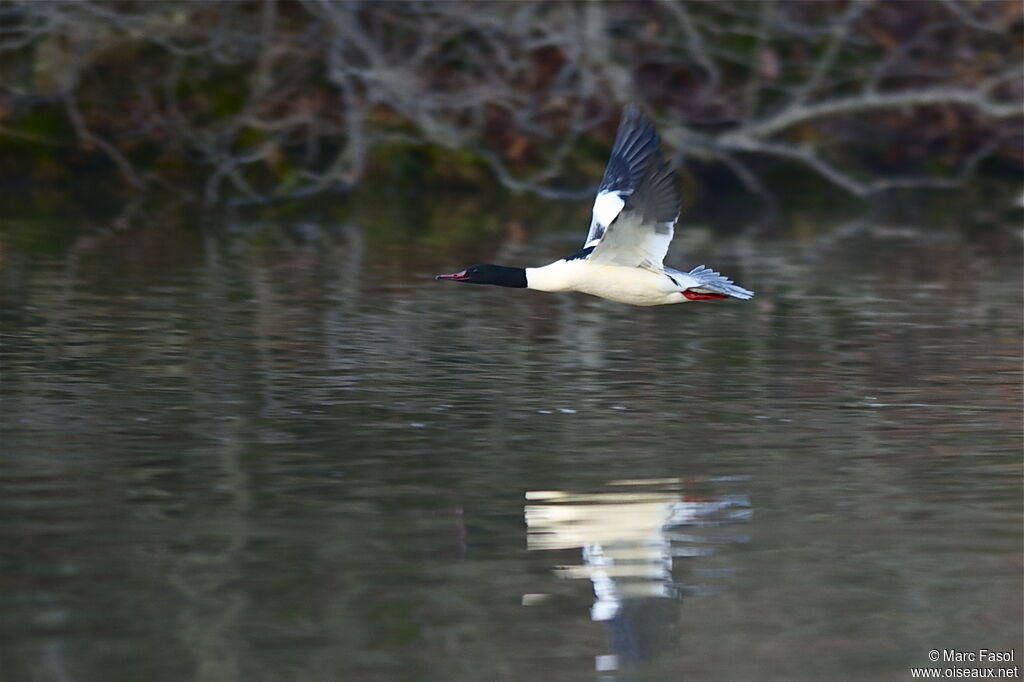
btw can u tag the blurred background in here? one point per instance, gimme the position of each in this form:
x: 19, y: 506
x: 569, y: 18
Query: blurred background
x: 245, y: 435
x: 260, y: 100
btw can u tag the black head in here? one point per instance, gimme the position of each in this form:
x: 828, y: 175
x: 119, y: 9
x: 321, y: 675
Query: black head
x: 490, y: 274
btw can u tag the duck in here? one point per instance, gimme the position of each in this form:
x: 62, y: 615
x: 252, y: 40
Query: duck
x: 633, y: 221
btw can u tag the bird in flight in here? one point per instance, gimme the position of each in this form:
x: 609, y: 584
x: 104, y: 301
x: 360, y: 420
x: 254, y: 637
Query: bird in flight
x: 635, y: 213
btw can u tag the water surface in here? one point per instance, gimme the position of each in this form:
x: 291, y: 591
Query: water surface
x: 279, y: 450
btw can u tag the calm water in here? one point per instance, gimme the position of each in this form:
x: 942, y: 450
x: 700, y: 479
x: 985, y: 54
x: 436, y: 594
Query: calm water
x: 281, y: 451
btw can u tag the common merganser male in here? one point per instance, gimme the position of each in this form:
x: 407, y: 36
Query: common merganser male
x: 635, y: 211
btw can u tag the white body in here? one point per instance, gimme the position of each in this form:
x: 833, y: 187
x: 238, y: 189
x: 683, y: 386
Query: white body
x: 637, y: 286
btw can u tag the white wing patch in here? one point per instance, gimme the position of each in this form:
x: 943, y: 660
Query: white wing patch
x: 607, y: 206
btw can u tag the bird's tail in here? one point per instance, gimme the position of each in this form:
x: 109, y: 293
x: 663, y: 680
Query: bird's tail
x: 717, y: 283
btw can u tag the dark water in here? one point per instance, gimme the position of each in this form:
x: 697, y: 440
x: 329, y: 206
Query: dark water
x: 283, y: 452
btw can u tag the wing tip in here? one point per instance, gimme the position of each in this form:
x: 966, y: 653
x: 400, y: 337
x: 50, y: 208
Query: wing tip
x: 637, y: 146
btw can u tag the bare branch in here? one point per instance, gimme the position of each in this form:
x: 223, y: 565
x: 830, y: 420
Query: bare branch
x: 695, y: 43
x: 275, y: 99
x: 87, y: 136
x: 863, y: 188
x: 752, y: 91
x: 867, y: 101
x: 840, y: 30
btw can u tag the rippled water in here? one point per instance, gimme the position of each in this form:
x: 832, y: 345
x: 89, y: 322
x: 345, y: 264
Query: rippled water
x: 284, y: 452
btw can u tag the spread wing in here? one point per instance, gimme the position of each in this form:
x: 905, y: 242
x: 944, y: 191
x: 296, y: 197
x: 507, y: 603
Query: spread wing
x: 634, y: 149
x: 640, y: 234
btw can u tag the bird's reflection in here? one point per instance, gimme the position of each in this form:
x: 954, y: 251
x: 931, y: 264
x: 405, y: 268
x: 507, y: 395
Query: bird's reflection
x: 632, y: 536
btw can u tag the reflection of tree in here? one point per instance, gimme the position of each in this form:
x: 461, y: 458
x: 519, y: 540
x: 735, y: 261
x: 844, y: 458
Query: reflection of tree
x: 292, y: 98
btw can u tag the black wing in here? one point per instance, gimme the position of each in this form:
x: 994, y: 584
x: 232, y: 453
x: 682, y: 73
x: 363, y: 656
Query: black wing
x: 635, y: 151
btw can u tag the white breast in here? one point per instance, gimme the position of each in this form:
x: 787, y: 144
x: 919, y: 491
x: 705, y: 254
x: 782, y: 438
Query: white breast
x: 636, y: 286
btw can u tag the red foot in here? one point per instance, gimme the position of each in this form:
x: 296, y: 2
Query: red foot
x: 697, y: 296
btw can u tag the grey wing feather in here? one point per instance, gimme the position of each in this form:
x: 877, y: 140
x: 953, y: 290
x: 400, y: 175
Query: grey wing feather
x: 641, y: 233
x: 656, y: 199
